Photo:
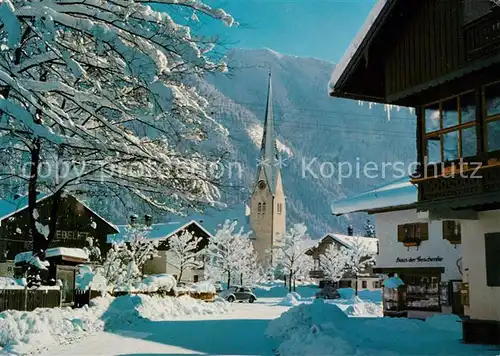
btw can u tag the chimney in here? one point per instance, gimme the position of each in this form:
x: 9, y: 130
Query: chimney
x: 350, y: 230
x: 148, y: 219
x: 133, y: 219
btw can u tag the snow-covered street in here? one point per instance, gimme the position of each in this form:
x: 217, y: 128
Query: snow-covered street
x: 242, y: 331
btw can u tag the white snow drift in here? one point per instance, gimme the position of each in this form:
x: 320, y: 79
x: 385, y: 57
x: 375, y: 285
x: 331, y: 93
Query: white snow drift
x: 27, y: 332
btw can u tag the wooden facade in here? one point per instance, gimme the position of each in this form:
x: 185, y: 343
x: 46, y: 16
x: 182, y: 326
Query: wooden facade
x: 442, y: 57
x: 443, y: 60
x: 76, y: 222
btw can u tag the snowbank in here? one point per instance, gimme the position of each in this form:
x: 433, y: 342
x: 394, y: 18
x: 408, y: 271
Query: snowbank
x: 302, y: 317
x: 450, y: 322
x: 165, y: 282
x: 204, y: 287
x: 323, y: 329
x: 290, y: 300
x: 365, y: 310
x: 278, y: 290
x: 28, y: 332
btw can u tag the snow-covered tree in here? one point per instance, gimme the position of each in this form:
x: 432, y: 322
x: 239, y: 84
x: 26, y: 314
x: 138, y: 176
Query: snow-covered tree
x: 291, y: 257
x: 231, y: 254
x: 360, y: 256
x: 97, y: 90
x: 369, y: 229
x: 185, y: 252
x: 335, y: 262
x: 124, y: 261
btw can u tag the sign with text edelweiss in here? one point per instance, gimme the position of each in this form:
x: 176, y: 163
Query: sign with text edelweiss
x: 418, y: 259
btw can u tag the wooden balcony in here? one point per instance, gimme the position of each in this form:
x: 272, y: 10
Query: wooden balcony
x: 462, y: 189
x: 482, y: 37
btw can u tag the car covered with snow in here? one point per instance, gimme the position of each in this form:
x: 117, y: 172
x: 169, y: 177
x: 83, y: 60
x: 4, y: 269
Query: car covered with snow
x: 238, y: 294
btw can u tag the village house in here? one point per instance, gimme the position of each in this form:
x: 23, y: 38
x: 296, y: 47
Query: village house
x: 424, y: 254
x: 365, y: 280
x: 442, y: 58
x: 166, y: 261
x: 76, y: 224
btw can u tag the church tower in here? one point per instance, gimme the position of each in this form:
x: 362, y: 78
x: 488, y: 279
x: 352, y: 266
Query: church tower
x: 267, y: 202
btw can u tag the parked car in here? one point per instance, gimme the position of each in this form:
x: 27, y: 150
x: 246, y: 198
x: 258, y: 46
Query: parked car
x: 328, y: 292
x: 238, y: 294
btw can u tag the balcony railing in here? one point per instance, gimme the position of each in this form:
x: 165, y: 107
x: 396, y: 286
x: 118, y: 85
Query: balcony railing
x: 482, y: 36
x: 461, y: 185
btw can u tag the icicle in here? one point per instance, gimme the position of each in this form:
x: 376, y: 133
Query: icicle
x: 370, y: 105
x: 388, y: 109
x: 360, y: 103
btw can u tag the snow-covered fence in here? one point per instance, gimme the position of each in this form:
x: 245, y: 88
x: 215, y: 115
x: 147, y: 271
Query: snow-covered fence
x: 29, y: 299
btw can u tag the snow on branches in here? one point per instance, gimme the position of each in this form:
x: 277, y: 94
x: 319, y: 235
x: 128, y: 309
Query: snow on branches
x: 335, y: 262
x: 185, y: 252
x: 123, y: 264
x: 231, y: 256
x: 98, y: 93
x: 291, y: 257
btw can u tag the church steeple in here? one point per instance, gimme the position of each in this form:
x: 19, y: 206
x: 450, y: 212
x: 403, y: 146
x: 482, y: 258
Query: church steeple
x: 269, y: 155
x: 267, y: 202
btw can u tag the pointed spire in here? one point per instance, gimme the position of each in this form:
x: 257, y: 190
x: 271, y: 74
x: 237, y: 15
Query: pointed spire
x: 269, y: 152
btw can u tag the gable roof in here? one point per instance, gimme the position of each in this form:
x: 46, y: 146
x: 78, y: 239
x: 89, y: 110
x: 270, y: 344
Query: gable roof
x: 14, y: 206
x: 397, y: 195
x: 160, y: 231
x: 370, y: 243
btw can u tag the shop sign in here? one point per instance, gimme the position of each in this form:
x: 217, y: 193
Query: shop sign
x: 418, y: 259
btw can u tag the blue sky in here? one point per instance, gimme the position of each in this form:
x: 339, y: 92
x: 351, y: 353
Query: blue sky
x: 308, y: 28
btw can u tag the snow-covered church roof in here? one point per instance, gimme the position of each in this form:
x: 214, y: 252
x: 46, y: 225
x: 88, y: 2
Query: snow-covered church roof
x: 400, y: 193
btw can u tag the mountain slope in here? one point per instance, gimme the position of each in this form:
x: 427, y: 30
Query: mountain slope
x: 319, y: 131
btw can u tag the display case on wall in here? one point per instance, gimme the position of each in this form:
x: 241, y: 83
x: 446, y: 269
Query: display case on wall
x: 423, y: 293
x: 394, y: 301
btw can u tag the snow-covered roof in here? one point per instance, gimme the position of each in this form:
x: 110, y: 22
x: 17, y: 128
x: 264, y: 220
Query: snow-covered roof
x: 74, y: 253
x: 395, y: 194
x: 370, y: 243
x: 161, y: 231
x: 357, y: 44
x: 10, y: 207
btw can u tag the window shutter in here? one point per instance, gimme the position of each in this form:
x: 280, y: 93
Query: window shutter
x: 492, y: 247
x: 452, y: 231
x: 401, y: 233
x: 424, y: 231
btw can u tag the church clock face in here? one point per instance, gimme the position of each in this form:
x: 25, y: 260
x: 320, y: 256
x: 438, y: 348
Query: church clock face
x: 261, y: 185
